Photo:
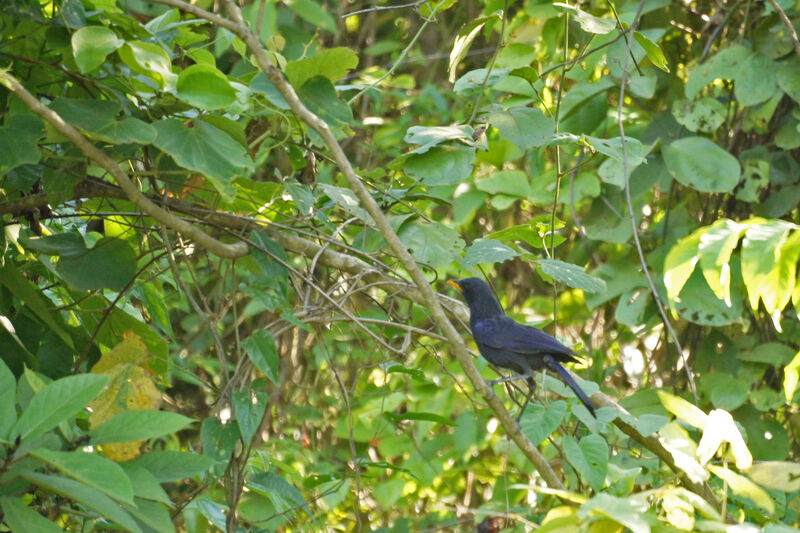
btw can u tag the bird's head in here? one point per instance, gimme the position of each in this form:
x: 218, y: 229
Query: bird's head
x: 479, y: 297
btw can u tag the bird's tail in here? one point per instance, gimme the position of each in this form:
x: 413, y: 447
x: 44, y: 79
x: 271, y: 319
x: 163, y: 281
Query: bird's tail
x: 555, y: 365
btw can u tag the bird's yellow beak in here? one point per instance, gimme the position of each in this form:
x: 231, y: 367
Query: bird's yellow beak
x: 454, y: 284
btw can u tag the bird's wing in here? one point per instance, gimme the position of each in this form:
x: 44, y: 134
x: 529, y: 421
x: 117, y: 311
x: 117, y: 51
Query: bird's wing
x: 504, y: 333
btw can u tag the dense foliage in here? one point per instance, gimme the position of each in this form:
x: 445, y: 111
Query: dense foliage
x: 216, y: 307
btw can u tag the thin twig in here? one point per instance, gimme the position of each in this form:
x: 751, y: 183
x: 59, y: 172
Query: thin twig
x: 383, y: 8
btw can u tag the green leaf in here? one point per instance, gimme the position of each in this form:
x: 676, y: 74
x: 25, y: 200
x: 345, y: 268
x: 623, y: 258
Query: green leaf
x: 589, y: 23
x: 347, y: 200
x: 429, y: 136
x: 313, y: 13
x: 144, y: 484
x: 92, y: 470
x: 720, y: 428
x: 205, y: 87
x: 91, y: 498
x: 682, y: 409
x: 411, y: 415
x: 432, y: 243
x: 438, y: 165
x: 698, y: 163
x: 705, y: 114
x: 91, y: 45
x: 487, y: 251
x: 19, y: 141
x: 725, y: 64
x: 510, y: 182
x: 98, y: 119
x: 283, y: 494
x: 624, y: 511
x: 654, y: 52
x: 741, y: 486
x: 524, y: 126
x: 333, y: 64
x: 474, y: 79
x: 204, y: 148
x: 772, y: 353
x: 788, y: 78
x: 791, y: 376
x: 776, y: 475
x: 111, y: 264
x: 766, y: 276
x: 573, y: 275
x: 590, y: 458
x: 149, y: 60
x: 715, y: 246
x: 249, y: 407
x: 679, y: 264
x: 729, y: 394
x: 138, y: 425
x: 464, y: 40
x: 539, y: 422
x: 260, y: 348
x: 321, y: 98
x: 152, y: 515
x: 169, y: 466
x: 20, y: 517
x: 56, y: 402
x: 8, y: 392
x: 755, y: 82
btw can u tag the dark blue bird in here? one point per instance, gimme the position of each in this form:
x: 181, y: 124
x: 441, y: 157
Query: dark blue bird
x: 509, y: 344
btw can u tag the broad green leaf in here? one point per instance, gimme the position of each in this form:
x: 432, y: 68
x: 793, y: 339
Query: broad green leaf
x: 8, y: 393
x: 151, y: 514
x: 487, y: 251
x: 624, y: 511
x: 433, y: 244
x: 205, y: 87
x: 717, y: 242
x: 588, y: 22
x: 589, y: 457
x: 92, y: 470
x: 766, y: 276
x: 260, y: 348
x: 409, y: 415
x: 509, y: 182
x: 20, y: 517
x: 725, y: 64
x: 654, y: 52
x: 572, y: 275
x: 169, y: 466
x: 729, y: 395
x: 704, y: 114
x: 249, y: 407
x: 98, y: 118
x: 721, y: 428
x: 474, y: 79
x: 138, y: 425
x: 149, y: 60
x: 524, y: 126
x: 91, y: 498
x: 772, y: 353
x: 755, y: 82
x: 57, y: 402
x: 111, y: 264
x: 430, y: 136
x: 776, y: 475
x: 682, y: 409
x: 282, y: 493
x: 538, y: 422
x: 680, y: 263
x: 333, y: 64
x: 683, y: 450
x: 438, y: 165
x: 788, y: 77
x: 321, y: 98
x: 312, y: 12
x: 741, y: 486
x: 631, y: 307
x: 755, y: 178
x: 697, y: 303
x: 347, y: 200
x: 204, y: 148
x: 19, y: 141
x: 698, y: 163
x: 91, y: 45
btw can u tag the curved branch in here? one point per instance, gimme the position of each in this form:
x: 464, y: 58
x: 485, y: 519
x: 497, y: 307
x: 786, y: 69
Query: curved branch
x: 214, y: 246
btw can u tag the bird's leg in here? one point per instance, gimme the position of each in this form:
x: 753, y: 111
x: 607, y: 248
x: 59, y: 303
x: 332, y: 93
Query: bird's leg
x: 524, y: 405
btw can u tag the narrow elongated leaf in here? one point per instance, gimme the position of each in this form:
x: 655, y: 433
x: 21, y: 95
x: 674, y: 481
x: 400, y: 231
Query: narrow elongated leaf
x: 92, y: 470
x: 169, y: 466
x: 741, y: 486
x: 138, y: 425
x: 20, y: 517
x: 716, y: 244
x: 680, y: 263
x: 56, y: 402
x: 8, y: 394
x: 431, y: 417
x: 260, y: 348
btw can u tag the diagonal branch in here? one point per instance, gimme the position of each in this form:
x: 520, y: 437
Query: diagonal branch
x: 132, y: 192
